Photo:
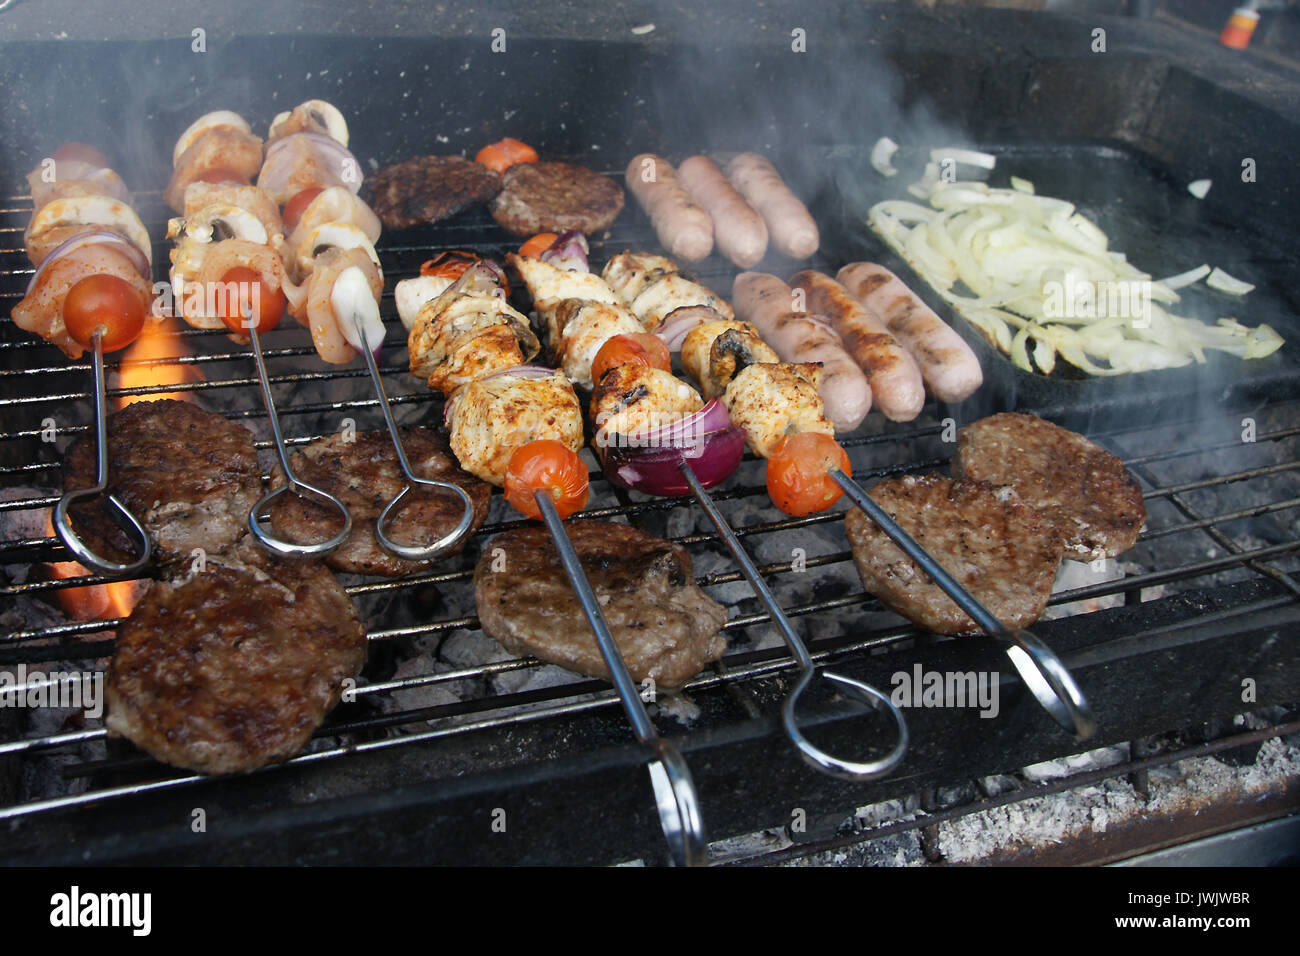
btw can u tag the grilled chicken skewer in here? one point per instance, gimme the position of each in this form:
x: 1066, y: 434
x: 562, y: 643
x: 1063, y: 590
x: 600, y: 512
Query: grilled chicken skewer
x: 91, y: 291
x: 637, y: 403
x: 778, y: 407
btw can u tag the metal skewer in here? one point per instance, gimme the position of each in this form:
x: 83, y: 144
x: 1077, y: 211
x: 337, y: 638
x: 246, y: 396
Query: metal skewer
x: 128, y: 522
x: 848, y: 686
x: 261, y: 513
x: 1038, y: 666
x: 419, y: 552
x: 675, y: 797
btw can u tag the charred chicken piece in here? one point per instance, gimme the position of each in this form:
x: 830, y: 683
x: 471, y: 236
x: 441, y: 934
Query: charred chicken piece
x: 579, y: 327
x: 633, y: 399
x: 770, y: 401
x: 999, y: 548
x: 491, y: 418
x: 666, y: 628
x: 1085, y: 493
x: 654, y: 289
x: 715, y: 352
x: 461, y: 336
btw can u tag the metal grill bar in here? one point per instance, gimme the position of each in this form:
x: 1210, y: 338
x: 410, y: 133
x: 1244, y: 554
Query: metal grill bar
x: 908, y: 443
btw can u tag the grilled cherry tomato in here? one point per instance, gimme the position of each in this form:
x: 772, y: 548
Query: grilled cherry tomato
x: 502, y: 155
x: 797, y: 473
x: 295, y: 207
x: 549, y: 465
x: 224, y: 174
x: 81, y: 153
x: 108, y: 302
x: 449, y: 265
x: 633, y: 348
x: 250, y: 297
x: 534, y: 247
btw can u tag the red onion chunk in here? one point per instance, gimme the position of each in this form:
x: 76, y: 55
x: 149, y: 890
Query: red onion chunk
x: 523, y: 371
x: 713, y: 457
x: 332, y: 165
x: 651, y: 461
x: 679, y: 322
x: 568, y: 251
x: 89, y: 237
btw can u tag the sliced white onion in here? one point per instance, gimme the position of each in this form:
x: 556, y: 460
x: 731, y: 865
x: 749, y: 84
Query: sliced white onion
x: 351, y: 298
x: 1200, y: 187
x: 411, y: 294
x: 881, y: 154
x: 1022, y: 185
x: 1185, y: 278
x: 1043, y: 276
x: 1222, y: 282
x: 970, y: 157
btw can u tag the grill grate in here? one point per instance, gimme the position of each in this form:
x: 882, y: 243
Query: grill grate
x: 1196, y: 528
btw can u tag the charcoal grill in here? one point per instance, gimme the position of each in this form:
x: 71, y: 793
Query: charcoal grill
x: 547, y: 772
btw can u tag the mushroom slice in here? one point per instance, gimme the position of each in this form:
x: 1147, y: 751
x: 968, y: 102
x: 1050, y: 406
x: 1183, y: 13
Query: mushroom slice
x: 41, y: 237
x: 332, y: 235
x: 315, y: 116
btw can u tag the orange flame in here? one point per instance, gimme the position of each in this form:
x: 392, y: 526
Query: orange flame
x: 160, y: 350
x: 106, y: 601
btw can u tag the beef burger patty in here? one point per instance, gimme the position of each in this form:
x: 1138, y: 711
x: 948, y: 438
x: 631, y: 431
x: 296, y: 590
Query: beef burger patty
x: 190, y: 476
x: 1083, y: 491
x: 232, y: 667
x: 666, y: 627
x: 1003, y: 552
x: 429, y: 189
x: 364, y: 474
x: 555, y: 197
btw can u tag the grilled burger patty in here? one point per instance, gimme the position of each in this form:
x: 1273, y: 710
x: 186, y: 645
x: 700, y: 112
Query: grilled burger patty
x: 665, y: 626
x: 234, y: 666
x: 190, y: 476
x: 554, y: 197
x: 1082, y: 490
x: 365, y: 476
x: 1003, y: 551
x: 429, y: 189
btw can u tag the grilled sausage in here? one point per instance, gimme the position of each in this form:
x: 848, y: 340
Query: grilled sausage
x: 895, y: 378
x: 789, y: 224
x: 685, y: 229
x: 766, y: 301
x: 738, y: 229
x: 949, y: 367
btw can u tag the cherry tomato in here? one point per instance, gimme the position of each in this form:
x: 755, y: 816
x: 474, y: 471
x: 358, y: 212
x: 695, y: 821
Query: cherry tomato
x: 224, y: 174
x: 108, y: 302
x: 797, y: 478
x: 546, y: 464
x: 296, y: 206
x: 500, y: 156
x: 81, y: 153
x: 534, y: 247
x: 634, y: 348
x: 449, y: 265
x: 249, y: 297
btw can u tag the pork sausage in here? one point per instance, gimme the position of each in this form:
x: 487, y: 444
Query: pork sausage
x: 896, y: 385
x: 684, y: 228
x: 949, y: 367
x: 766, y: 301
x: 738, y: 229
x: 789, y: 224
